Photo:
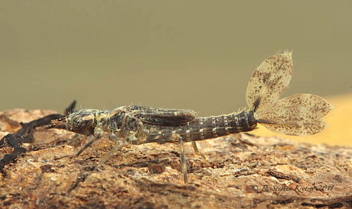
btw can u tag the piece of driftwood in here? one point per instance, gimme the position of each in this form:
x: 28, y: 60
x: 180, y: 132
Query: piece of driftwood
x: 251, y: 172
x: 25, y: 133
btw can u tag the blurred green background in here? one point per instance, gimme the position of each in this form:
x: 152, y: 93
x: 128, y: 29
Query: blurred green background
x: 175, y: 54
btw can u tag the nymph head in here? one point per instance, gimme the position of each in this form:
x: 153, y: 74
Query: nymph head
x: 82, y: 121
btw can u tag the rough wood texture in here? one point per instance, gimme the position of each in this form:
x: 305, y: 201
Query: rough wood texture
x: 256, y: 172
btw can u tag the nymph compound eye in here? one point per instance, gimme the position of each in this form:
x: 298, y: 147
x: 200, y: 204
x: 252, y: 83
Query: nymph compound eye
x: 82, y: 121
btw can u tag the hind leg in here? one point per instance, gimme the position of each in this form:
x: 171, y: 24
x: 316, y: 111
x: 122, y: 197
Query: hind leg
x: 196, y: 150
x: 183, y: 161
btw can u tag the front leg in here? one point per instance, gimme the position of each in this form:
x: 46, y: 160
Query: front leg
x: 98, y: 132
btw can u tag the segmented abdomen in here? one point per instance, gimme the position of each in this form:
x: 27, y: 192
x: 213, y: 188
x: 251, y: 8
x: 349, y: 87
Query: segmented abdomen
x: 202, y: 128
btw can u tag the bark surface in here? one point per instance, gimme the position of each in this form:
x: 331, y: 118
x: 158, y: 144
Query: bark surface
x: 261, y: 172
